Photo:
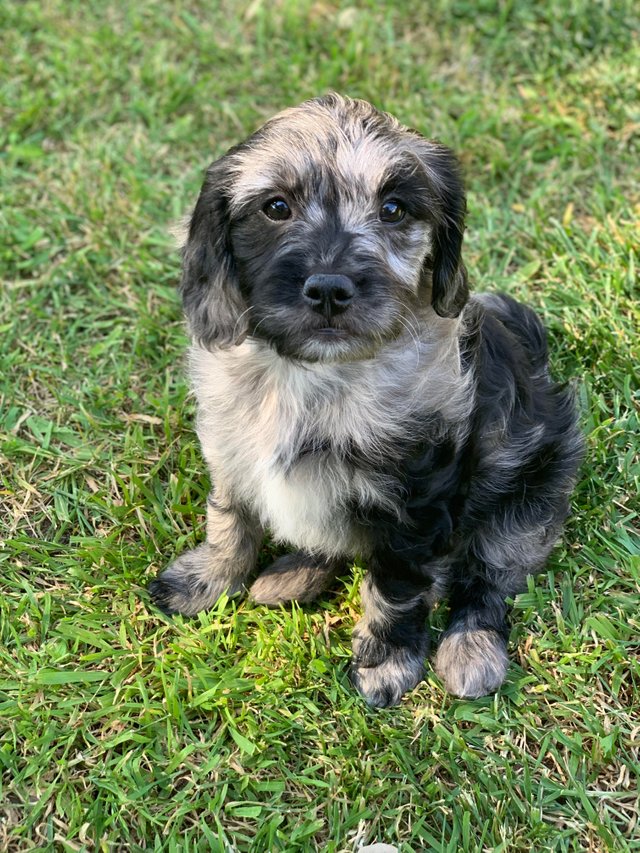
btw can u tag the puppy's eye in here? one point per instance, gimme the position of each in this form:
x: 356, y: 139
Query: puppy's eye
x: 392, y: 211
x: 277, y: 209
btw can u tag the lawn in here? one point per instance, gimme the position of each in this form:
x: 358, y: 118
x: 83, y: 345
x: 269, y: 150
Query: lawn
x: 121, y: 729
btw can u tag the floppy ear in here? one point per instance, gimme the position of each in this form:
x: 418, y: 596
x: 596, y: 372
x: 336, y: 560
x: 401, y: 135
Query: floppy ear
x: 211, y: 297
x: 449, y: 288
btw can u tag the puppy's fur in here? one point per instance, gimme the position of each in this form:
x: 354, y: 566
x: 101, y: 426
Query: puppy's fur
x: 354, y: 400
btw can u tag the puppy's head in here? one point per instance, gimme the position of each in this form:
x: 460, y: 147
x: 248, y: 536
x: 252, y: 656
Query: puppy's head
x: 327, y: 233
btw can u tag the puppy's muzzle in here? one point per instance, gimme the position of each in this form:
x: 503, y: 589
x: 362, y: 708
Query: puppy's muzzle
x: 328, y: 294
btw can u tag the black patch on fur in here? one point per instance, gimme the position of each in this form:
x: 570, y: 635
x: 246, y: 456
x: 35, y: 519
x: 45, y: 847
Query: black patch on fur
x: 435, y: 193
x: 162, y: 592
x: 449, y: 287
x: 515, y: 472
x: 211, y: 297
x: 273, y: 268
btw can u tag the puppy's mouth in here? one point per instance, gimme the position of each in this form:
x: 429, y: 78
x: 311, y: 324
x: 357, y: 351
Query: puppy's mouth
x: 330, y: 333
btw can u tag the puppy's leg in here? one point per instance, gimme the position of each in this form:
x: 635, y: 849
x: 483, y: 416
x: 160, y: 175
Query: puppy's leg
x: 196, y: 579
x: 391, y: 641
x: 294, y: 577
x: 472, y: 655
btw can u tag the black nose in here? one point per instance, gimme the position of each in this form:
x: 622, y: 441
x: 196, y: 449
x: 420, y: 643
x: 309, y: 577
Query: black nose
x: 328, y: 294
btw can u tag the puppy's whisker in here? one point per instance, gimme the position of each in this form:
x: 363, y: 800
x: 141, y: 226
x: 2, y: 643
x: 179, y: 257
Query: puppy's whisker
x: 239, y: 320
x: 412, y: 334
x: 265, y: 319
x: 410, y: 313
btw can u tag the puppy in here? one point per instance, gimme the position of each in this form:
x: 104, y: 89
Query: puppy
x: 356, y: 401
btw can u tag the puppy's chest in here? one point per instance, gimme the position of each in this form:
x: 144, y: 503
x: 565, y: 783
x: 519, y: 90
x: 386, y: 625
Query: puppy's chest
x: 300, y: 463
x: 303, y: 494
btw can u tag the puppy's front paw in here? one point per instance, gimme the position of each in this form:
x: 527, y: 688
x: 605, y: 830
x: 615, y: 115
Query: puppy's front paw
x: 471, y: 663
x: 382, y: 672
x: 192, y: 583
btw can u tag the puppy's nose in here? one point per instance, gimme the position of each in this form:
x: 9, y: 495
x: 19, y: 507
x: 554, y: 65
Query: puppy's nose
x: 328, y: 294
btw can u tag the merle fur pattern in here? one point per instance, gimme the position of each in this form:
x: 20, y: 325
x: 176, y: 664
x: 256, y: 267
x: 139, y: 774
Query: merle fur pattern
x: 407, y: 423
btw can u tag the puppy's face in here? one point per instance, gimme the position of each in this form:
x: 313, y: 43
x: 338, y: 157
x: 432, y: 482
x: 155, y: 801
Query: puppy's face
x: 329, y: 232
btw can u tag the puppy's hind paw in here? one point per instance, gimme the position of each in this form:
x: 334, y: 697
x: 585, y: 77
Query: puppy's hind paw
x: 191, y: 583
x: 471, y: 663
x: 164, y: 593
x: 294, y: 577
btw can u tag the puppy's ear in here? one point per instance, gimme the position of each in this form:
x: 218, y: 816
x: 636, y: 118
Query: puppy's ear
x: 449, y: 288
x: 211, y: 297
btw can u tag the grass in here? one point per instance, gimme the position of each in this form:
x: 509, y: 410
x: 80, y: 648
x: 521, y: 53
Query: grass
x: 238, y: 730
